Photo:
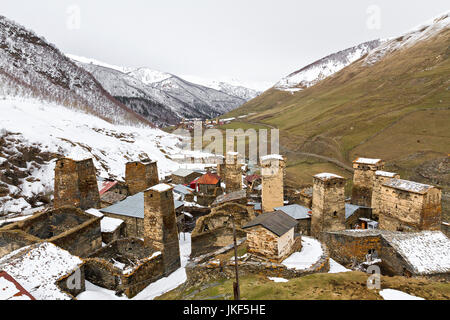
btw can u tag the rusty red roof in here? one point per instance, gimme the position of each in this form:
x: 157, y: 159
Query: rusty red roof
x: 107, y: 185
x: 252, y: 178
x: 209, y: 178
x: 11, y: 289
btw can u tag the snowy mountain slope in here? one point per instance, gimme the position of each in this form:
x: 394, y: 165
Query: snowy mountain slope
x: 323, y: 68
x: 160, y: 97
x: 30, y: 66
x: 421, y: 33
x: 33, y: 134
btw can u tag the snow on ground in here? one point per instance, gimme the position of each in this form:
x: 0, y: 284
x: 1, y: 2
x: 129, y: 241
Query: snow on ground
x: 155, y: 289
x: 65, y: 132
x: 391, y: 294
x: 337, y: 268
x: 307, y: 257
x: 275, y: 279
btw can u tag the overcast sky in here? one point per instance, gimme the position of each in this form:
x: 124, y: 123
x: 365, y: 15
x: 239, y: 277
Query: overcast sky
x: 254, y: 41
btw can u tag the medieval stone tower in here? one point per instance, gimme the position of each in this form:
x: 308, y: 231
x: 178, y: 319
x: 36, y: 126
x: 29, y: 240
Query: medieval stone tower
x: 363, y: 179
x: 272, y: 171
x: 140, y: 176
x: 380, y: 178
x: 160, y: 225
x: 76, y: 184
x: 328, y: 205
x: 233, y: 172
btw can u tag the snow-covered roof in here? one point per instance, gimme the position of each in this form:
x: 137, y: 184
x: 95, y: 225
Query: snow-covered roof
x: 182, y: 172
x: 110, y: 224
x: 10, y: 289
x: 327, y: 176
x: 179, y: 188
x: 385, y: 174
x: 427, y: 252
x: 162, y: 187
x: 367, y: 161
x: 296, y: 211
x: 309, y: 255
x: 272, y: 157
x: 39, y: 267
x: 406, y: 185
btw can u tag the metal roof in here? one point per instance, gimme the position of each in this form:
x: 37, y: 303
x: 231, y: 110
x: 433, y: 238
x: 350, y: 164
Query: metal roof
x: 179, y: 188
x: 277, y: 222
x: 350, y: 209
x: 296, y: 211
x: 406, y: 185
x: 183, y: 172
x: 237, y: 195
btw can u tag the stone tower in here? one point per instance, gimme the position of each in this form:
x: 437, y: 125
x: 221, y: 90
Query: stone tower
x: 233, y: 173
x: 272, y: 171
x: 140, y: 176
x: 160, y: 225
x: 363, y: 179
x: 76, y: 184
x: 380, y: 178
x: 328, y: 204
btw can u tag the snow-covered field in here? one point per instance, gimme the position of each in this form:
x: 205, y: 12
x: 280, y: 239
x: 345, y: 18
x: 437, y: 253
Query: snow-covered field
x: 391, y: 294
x: 337, y: 268
x: 307, y: 257
x: 155, y: 289
x: 64, y: 132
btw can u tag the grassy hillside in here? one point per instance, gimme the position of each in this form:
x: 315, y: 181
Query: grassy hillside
x: 340, y: 286
x: 397, y: 109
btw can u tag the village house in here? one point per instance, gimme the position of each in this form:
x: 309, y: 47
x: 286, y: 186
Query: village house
x: 111, y: 192
x: 45, y: 271
x: 184, y: 176
x: 208, y: 187
x: 380, y: 178
x: 271, y: 236
x: 409, y: 206
x: 301, y: 214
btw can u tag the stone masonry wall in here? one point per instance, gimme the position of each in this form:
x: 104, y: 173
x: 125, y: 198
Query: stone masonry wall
x: 376, y: 193
x: 140, y: 176
x: 233, y: 174
x: 160, y: 227
x: 272, y: 184
x: 363, y: 180
x: 328, y: 209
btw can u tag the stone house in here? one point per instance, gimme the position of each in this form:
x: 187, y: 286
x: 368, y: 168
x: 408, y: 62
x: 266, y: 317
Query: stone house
x: 305, y: 197
x: 363, y: 180
x: 67, y: 227
x: 45, y: 271
x: 380, y: 178
x: 409, y: 206
x: 111, y: 192
x: 184, y: 176
x: 271, y: 235
x: 75, y: 184
x: 208, y: 188
x: 328, y: 205
x: 272, y: 172
x: 233, y: 172
x: 301, y: 214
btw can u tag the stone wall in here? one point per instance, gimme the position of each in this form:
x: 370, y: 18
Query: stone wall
x: 216, y: 239
x: 376, y: 193
x: 160, y: 226
x: 13, y: 240
x: 66, y: 227
x: 63, y: 283
x: 407, y: 211
x: 185, y: 180
x: 346, y: 247
x: 134, y: 227
x: 272, y: 172
x: 140, y: 176
x: 328, y: 209
x: 76, y: 184
x: 363, y: 180
x: 233, y: 174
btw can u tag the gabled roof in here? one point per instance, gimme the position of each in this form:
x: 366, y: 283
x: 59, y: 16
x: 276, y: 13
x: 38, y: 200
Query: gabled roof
x: 410, y: 186
x: 106, y: 185
x: 427, y: 252
x: 367, y: 161
x: 183, y: 173
x: 350, y: 209
x: 277, y: 222
x: 252, y: 178
x: 179, y: 188
x: 296, y: 211
x: 208, y: 178
x: 385, y: 174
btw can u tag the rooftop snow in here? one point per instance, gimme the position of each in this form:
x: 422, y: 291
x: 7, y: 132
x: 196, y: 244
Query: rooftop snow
x: 162, y: 187
x: 272, y: 157
x: 309, y: 255
x: 39, y: 267
x: 327, y: 176
x: 385, y: 174
x: 182, y: 172
x: 427, y: 252
x: 406, y: 185
x: 367, y: 161
x: 110, y: 224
